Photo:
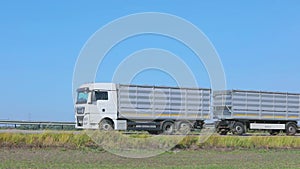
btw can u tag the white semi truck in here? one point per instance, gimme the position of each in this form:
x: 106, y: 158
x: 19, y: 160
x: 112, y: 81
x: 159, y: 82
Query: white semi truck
x: 109, y: 106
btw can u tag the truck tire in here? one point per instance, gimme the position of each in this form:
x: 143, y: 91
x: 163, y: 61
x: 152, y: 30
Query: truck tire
x: 184, y: 127
x: 106, y: 125
x: 291, y: 129
x: 168, y: 128
x: 239, y: 128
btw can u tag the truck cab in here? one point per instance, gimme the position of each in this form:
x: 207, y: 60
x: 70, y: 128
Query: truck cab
x: 94, y: 102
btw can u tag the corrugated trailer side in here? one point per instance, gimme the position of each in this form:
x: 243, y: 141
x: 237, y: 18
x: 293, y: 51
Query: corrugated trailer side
x: 257, y: 105
x: 275, y: 108
x: 137, y: 102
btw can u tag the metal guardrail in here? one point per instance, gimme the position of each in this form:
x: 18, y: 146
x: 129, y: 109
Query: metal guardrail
x: 43, y: 124
x: 38, y: 123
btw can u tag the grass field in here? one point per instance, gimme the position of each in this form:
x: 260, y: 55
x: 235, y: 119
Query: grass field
x: 93, y: 158
x: 77, y: 150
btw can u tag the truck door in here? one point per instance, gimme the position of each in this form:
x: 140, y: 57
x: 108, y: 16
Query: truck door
x: 100, y: 98
x: 105, y: 103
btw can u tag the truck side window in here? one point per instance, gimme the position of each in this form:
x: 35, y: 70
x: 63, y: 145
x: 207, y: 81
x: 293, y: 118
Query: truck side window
x: 101, y: 95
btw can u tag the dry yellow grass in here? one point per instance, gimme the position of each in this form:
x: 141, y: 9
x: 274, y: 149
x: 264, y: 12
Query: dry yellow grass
x: 71, y: 140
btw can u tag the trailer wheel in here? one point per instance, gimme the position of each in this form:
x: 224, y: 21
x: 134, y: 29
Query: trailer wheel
x: 239, y: 128
x: 168, y: 128
x: 106, y: 125
x: 184, y: 127
x: 291, y: 129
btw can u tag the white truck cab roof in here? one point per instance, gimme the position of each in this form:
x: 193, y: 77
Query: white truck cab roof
x: 99, y: 86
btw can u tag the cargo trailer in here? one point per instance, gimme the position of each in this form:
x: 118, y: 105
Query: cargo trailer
x: 157, y: 109
x: 241, y: 110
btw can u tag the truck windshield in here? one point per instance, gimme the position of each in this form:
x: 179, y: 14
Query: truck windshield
x: 82, y: 97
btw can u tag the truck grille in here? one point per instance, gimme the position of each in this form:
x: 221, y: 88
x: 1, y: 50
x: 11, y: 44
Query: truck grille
x: 80, y: 110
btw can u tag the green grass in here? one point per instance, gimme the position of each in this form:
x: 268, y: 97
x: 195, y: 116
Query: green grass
x: 81, y: 139
x: 90, y: 158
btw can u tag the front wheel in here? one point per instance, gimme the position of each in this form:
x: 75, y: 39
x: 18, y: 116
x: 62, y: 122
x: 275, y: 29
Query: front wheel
x: 106, y: 125
x: 239, y: 128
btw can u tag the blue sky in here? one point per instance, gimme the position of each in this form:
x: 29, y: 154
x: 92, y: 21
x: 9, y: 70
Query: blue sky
x: 257, y: 41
